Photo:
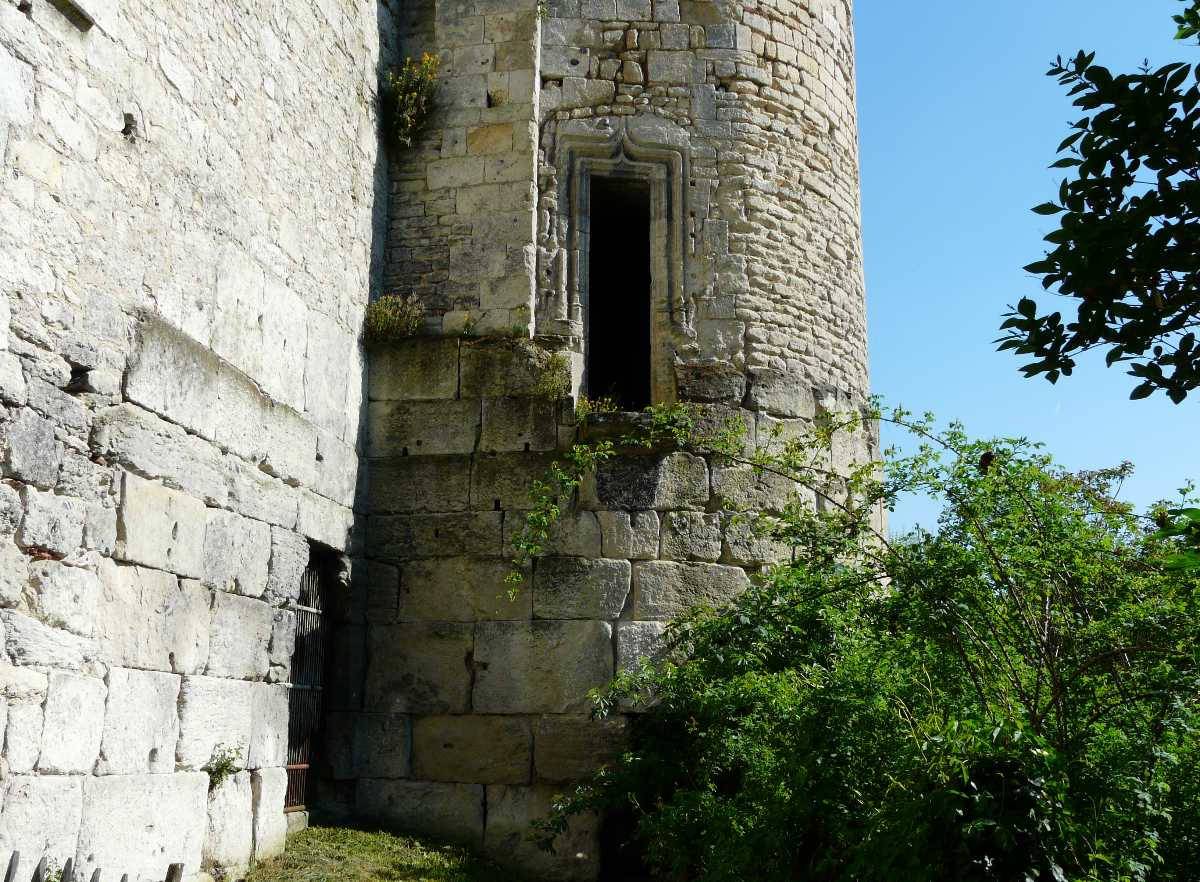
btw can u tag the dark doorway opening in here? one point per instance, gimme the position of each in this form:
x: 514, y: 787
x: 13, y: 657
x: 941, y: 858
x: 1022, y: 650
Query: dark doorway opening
x: 618, y: 319
x: 306, y: 697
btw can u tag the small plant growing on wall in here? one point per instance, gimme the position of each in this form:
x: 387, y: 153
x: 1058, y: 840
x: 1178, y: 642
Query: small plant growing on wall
x: 392, y: 318
x: 222, y: 764
x: 406, y: 97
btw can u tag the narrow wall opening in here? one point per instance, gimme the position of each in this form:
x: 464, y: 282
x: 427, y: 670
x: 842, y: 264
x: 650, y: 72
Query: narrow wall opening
x: 619, y: 309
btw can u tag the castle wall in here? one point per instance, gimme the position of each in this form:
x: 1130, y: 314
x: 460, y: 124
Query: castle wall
x: 739, y: 118
x: 189, y: 212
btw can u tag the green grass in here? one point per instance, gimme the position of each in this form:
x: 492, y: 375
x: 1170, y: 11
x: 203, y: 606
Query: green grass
x: 327, y: 853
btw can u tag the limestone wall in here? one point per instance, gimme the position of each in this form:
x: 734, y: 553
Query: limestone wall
x: 188, y: 210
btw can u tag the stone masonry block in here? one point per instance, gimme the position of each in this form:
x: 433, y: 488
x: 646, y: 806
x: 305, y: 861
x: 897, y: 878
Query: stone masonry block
x: 421, y: 483
x: 161, y: 528
x: 239, y: 637
x: 64, y: 597
x: 580, y: 588
x: 74, y: 724
x: 572, y: 747
x: 691, y: 535
x: 782, y: 394
x: 150, y: 620
x: 422, y: 428
x: 744, y: 547
x: 678, y: 480
x: 518, y: 424
x: 237, y: 552
x: 29, y: 642
x: 30, y: 451
x: 510, y: 813
x: 637, y: 641
x: 337, y: 469
x: 53, y: 524
x: 268, y: 789
x: 141, y: 723
x: 258, y: 495
x: 663, y: 590
x: 540, y: 667
x: 420, y: 369
x: 23, y: 735
x: 745, y: 488
x: 453, y: 812
x: 472, y: 749
x: 41, y: 816
x: 268, y: 726
x: 495, y: 369
x: 213, y: 713
x: 460, y: 589
x: 283, y: 645
x: 143, y: 443
x: 142, y: 823
x: 504, y: 481
x: 175, y: 377
x: 289, y: 558
x: 630, y: 534
x: 419, y: 668
x: 381, y: 745
x: 407, y: 537
x: 229, y: 835
x: 574, y: 534
x: 324, y: 521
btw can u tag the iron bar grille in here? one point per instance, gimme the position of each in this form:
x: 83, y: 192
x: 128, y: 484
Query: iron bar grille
x: 305, y: 696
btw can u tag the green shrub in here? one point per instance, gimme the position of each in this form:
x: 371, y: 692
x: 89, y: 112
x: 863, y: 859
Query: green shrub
x: 1012, y: 695
x: 392, y: 318
x: 406, y: 97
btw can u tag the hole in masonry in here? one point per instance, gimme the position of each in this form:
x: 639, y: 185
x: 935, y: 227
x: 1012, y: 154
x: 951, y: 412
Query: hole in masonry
x: 526, y: 446
x: 130, y: 129
x: 175, y: 531
x: 404, y: 451
x: 26, y: 6
x: 153, y: 755
x: 496, y: 505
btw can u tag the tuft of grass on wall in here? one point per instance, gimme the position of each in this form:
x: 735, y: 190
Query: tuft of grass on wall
x: 392, y: 318
x: 324, y: 854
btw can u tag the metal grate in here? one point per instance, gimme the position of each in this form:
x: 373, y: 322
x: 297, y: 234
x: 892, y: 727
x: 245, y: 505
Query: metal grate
x: 307, y: 690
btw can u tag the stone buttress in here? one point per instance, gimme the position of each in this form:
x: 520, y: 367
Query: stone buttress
x: 731, y: 127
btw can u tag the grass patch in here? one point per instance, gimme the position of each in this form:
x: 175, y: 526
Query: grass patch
x: 331, y: 853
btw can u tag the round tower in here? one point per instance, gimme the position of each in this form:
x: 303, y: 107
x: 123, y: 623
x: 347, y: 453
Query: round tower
x: 664, y: 194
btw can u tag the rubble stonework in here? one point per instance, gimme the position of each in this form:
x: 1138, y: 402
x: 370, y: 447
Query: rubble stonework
x: 188, y: 212
x: 739, y: 118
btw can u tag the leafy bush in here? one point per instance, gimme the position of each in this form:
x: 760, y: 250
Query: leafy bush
x: 1010, y: 696
x: 406, y: 97
x: 392, y: 318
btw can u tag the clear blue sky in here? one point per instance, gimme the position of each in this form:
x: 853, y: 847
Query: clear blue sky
x: 958, y: 126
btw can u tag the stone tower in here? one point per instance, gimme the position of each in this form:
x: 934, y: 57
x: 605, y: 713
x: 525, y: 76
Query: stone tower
x: 666, y: 191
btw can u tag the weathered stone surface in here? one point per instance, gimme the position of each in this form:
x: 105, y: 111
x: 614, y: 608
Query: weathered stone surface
x: 579, y: 588
x: 30, y: 451
x: 161, y: 528
x: 151, y: 620
x: 268, y: 726
x: 283, y: 645
x: 422, y: 428
x: 10, y: 510
x: 74, y: 723
x: 141, y: 723
x: 782, y: 394
x: 420, y: 369
x: 461, y: 589
x: 174, y: 377
x: 239, y: 637
x: 289, y: 558
x: 29, y: 642
x: 744, y: 547
x: 472, y: 749
x: 142, y: 823
x: 14, y: 574
x: 258, y: 495
x: 420, y: 483
x: 324, y: 521
x: 572, y: 747
x: 505, y: 480
x: 744, y: 488
x: 53, y: 524
x: 717, y: 381
x: 154, y: 448
x: 337, y: 469
x: 407, y: 537
x: 497, y: 368
x: 637, y: 641
x: 381, y: 745
x: 691, y: 535
x: 13, y: 389
x: 630, y: 534
x: 663, y: 590
x: 237, y: 552
x: 420, y: 668
x: 64, y: 597
x: 213, y: 713
x: 23, y: 736
x: 575, y: 533
x: 41, y: 815
x: 453, y: 812
x: 678, y: 480
x: 511, y: 812
x: 268, y: 789
x: 518, y: 424
x: 229, y: 837
x: 540, y: 667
